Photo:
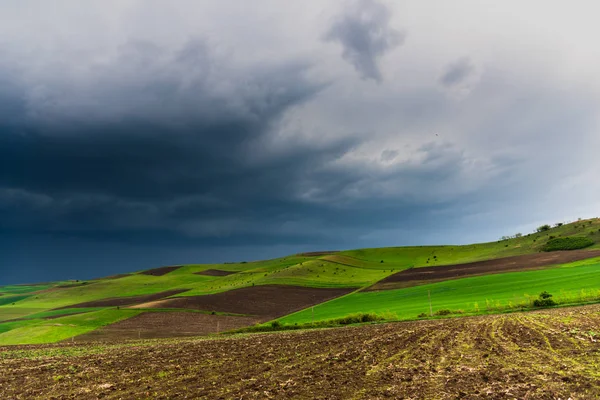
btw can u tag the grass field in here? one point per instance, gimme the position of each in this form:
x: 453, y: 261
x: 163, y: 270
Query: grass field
x: 572, y: 283
x: 352, y: 269
x: 33, y: 331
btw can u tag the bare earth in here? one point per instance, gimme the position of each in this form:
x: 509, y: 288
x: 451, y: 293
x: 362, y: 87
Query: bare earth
x: 538, y: 355
x: 266, y: 301
x: 151, y: 325
x: 421, y: 275
x: 124, y: 301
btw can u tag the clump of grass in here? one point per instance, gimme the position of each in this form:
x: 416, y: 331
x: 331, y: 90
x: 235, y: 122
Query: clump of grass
x: 441, y: 313
x: 568, y: 243
x: 358, y: 318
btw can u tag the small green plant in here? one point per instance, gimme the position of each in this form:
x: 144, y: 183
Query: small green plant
x: 422, y: 315
x: 544, y: 300
x: 442, y: 312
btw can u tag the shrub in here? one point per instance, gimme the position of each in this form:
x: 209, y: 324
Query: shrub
x: 422, y: 315
x: 568, y: 243
x: 275, y: 324
x: 545, y: 300
x: 558, y: 224
x: 442, y: 312
x: 543, y: 228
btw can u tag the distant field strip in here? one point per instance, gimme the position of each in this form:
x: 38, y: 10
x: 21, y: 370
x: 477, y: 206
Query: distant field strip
x: 415, y: 276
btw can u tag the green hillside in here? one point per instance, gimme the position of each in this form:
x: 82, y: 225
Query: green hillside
x: 26, y: 309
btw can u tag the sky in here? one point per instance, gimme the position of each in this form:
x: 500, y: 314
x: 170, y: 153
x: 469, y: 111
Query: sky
x: 142, y: 133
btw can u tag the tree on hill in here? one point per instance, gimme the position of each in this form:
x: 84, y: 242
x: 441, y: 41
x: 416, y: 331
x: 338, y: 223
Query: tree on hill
x: 543, y: 228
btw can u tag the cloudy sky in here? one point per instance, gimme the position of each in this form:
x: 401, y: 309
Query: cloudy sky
x: 140, y: 133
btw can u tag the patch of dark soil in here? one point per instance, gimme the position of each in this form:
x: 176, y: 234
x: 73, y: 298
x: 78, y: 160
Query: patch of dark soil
x: 422, y: 275
x: 161, y: 270
x: 215, y: 272
x: 151, y: 325
x: 269, y: 301
x: 125, y: 301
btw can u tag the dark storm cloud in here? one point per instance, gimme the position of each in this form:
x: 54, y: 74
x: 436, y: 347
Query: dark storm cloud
x: 158, y: 141
x: 365, y: 34
x: 457, y: 71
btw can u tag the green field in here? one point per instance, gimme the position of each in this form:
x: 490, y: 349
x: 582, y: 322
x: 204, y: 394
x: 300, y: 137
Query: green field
x: 570, y: 283
x: 36, y: 331
x: 30, y: 305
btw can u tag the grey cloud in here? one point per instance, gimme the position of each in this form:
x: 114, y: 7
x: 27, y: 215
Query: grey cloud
x: 389, y: 155
x: 457, y: 72
x: 365, y: 34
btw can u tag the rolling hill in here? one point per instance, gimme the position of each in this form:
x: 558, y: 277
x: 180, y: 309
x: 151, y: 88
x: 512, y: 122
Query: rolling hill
x: 395, y: 283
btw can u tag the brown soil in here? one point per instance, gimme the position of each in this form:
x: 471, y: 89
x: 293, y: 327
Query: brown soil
x: 125, y: 301
x: 160, y: 271
x: 538, y: 355
x: 268, y: 301
x: 150, y: 325
x: 422, y: 275
x: 215, y: 272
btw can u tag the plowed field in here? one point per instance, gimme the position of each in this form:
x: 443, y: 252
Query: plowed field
x: 124, y: 301
x: 266, y: 301
x: 538, y: 355
x: 150, y: 325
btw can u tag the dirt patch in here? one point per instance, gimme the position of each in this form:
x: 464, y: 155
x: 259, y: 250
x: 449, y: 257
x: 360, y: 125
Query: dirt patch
x: 125, y: 301
x: 422, y: 275
x: 538, y: 355
x: 151, y: 325
x: 160, y: 271
x: 215, y: 272
x: 268, y: 301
